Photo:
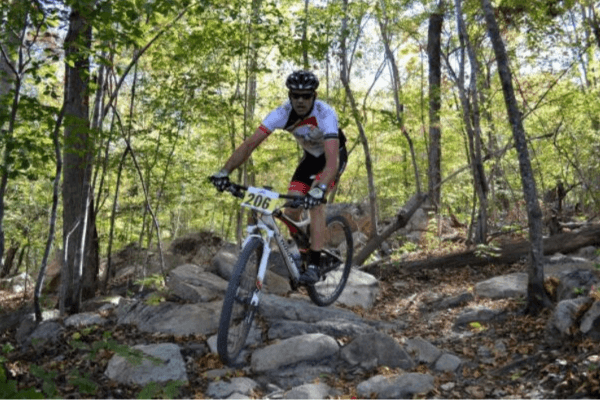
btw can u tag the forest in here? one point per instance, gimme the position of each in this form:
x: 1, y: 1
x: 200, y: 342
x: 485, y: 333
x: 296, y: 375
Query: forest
x: 114, y: 114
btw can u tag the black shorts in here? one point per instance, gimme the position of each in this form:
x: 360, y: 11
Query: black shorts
x: 310, y: 169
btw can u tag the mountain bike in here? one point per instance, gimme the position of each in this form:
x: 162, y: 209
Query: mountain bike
x: 244, y: 290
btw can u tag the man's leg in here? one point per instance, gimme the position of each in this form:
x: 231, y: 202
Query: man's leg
x: 293, y: 213
x: 317, y: 228
x: 317, y: 241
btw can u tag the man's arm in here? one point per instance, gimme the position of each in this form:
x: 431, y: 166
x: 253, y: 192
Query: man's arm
x: 243, y: 152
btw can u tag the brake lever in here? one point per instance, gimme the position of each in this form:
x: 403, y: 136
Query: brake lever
x: 235, y: 190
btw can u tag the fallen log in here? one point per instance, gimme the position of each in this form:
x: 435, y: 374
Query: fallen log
x: 399, y: 222
x: 507, y: 254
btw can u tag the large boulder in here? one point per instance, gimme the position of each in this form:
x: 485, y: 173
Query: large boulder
x: 376, y: 349
x: 314, y: 347
x: 158, y: 363
x: 192, y: 283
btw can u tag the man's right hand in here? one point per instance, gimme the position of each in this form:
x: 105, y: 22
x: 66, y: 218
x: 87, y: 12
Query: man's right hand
x: 220, y: 180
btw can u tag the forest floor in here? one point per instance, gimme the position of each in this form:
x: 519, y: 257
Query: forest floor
x: 529, y: 368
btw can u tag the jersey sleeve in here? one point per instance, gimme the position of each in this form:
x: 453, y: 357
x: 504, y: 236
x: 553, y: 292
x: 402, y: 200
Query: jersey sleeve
x: 277, y: 118
x: 328, y: 122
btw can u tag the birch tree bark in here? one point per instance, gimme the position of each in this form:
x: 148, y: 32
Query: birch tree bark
x: 537, y: 298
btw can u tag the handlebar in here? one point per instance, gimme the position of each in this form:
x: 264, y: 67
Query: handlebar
x: 294, y: 200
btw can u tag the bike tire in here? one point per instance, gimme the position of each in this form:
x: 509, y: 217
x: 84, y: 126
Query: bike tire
x: 336, y: 262
x: 237, y: 313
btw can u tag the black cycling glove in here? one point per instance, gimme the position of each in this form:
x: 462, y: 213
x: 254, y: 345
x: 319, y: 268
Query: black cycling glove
x: 314, y: 197
x: 220, y: 180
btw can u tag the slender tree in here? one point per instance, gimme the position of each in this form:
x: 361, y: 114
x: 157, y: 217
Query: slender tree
x: 470, y: 107
x: 397, y: 87
x: 537, y: 298
x: 345, y: 78
x: 435, y: 97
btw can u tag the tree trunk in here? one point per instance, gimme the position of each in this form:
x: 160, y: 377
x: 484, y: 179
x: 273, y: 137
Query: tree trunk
x: 537, y: 296
x: 11, y: 79
x: 305, y: 61
x: 507, y: 254
x: 472, y: 124
x: 9, y: 260
x: 435, y: 102
x: 113, y: 216
x: 81, y: 248
x: 37, y: 294
x: 399, y: 222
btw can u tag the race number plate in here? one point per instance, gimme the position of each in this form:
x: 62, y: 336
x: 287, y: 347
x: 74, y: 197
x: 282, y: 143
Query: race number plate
x: 260, y: 199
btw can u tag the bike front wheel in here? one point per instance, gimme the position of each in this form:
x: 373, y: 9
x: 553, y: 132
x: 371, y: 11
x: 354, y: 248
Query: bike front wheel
x: 238, y: 311
x: 336, y: 262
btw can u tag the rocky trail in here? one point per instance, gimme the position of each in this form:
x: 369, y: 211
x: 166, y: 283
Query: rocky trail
x: 430, y: 334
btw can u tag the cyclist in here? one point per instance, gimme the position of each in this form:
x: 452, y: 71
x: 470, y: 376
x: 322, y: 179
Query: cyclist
x: 314, y: 125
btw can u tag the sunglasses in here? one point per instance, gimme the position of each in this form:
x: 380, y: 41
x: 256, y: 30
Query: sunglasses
x: 305, y: 96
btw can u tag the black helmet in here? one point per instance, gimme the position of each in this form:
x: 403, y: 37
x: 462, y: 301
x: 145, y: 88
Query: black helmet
x: 302, y: 80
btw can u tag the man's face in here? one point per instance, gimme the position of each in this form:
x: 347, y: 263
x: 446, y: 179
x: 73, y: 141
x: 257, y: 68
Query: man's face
x: 302, y: 100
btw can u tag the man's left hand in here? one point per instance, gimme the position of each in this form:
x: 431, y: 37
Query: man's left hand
x: 314, y: 197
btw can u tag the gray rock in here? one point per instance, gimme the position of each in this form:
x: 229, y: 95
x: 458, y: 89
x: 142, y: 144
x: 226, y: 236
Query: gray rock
x: 168, y: 317
x: 395, y: 386
x: 566, y: 265
x: 588, y: 252
x: 590, y: 323
x: 276, y: 284
x: 575, y: 283
x: 254, y: 339
x: 447, y: 363
x: 299, y: 374
x: 313, y: 347
x: 28, y: 325
x: 309, y: 391
x: 85, y: 319
x: 212, y: 343
x: 224, y: 262
x: 373, y: 349
x: 17, y: 284
x: 232, y: 389
x: 283, y: 329
x: 563, y: 318
x: 453, y: 302
x: 478, y: 315
x: 276, y: 308
x: 192, y: 283
x: 159, y: 363
x: 47, y: 331
x: 505, y: 286
x: 361, y: 290
x: 423, y: 351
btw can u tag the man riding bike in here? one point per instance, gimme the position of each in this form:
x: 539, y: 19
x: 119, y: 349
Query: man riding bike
x: 314, y: 124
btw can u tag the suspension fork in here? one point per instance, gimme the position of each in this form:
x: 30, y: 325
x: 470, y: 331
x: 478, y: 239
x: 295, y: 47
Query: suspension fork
x: 264, y: 260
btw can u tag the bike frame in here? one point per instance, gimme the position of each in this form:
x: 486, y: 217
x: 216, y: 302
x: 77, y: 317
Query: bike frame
x: 266, y: 230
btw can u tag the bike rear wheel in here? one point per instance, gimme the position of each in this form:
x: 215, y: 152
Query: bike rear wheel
x: 238, y: 312
x: 336, y: 262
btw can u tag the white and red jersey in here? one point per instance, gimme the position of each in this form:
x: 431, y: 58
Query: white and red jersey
x: 303, y: 129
